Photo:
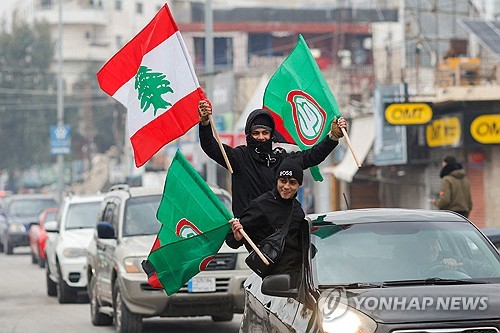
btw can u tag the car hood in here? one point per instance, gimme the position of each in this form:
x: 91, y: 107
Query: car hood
x: 138, y: 245
x: 428, y: 303
x: 78, y: 237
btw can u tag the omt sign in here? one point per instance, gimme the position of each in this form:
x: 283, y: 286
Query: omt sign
x: 443, y: 132
x: 486, y: 129
x: 408, y: 113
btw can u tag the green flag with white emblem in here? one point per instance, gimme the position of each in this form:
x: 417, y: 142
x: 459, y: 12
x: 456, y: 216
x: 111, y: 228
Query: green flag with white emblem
x: 300, y: 101
x: 194, y: 226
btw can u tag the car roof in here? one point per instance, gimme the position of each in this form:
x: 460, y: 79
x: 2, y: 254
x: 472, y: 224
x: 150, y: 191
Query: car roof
x: 84, y: 198
x: 369, y: 215
x: 30, y: 196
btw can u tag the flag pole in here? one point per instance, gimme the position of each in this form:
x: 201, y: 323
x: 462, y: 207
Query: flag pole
x: 254, y: 247
x: 349, y: 144
x: 214, y: 130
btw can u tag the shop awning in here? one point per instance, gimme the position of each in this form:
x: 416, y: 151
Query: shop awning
x: 362, y: 134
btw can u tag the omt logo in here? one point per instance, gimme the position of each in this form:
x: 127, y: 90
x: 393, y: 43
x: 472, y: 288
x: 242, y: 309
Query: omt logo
x: 309, y: 118
x: 186, y: 229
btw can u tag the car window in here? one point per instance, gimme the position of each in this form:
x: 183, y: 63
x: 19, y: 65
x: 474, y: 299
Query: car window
x: 82, y: 215
x: 379, y: 252
x: 29, y: 207
x: 140, y: 216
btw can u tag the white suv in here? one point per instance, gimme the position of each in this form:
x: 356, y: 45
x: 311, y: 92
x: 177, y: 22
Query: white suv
x: 66, y: 249
x: 118, y: 287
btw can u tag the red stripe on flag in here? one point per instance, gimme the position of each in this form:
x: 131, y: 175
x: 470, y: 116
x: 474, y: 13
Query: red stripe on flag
x: 169, y: 126
x: 125, y: 63
x: 280, y: 126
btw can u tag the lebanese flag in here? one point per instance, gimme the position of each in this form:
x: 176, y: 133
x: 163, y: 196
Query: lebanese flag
x: 154, y: 78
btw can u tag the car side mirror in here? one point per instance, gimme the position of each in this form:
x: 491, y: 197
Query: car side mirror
x: 278, y: 285
x: 51, y: 226
x: 105, y: 230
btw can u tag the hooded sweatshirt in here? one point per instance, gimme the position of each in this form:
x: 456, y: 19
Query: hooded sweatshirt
x: 454, y: 193
x: 255, y: 165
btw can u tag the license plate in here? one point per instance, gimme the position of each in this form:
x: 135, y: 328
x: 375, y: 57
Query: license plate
x: 201, y: 284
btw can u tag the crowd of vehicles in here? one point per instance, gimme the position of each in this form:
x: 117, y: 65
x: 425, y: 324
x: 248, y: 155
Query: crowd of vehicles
x: 92, y: 246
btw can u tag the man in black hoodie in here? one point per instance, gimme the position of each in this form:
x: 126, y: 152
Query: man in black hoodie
x: 254, y: 165
x: 270, y: 211
x: 455, y: 192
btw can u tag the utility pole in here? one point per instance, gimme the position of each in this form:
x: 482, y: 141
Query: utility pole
x: 209, y: 72
x: 60, y: 102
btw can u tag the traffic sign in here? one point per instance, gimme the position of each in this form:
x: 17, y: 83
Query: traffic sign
x: 60, y: 140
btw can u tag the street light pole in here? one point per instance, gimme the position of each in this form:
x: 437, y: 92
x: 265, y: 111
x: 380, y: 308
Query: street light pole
x: 209, y: 72
x: 60, y: 102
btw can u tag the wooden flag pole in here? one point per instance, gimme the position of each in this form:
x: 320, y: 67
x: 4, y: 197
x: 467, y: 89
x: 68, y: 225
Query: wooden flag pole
x: 256, y: 249
x: 214, y: 130
x: 350, y: 147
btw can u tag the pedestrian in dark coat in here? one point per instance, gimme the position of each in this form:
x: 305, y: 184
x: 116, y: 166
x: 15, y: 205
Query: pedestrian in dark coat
x: 270, y: 211
x: 454, y: 193
x: 254, y: 165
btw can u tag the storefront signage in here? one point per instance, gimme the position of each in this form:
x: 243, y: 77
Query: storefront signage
x: 485, y: 129
x: 408, y: 113
x: 443, y: 132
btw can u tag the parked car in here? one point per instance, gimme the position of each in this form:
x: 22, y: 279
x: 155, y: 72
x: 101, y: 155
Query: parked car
x: 20, y: 211
x: 38, y: 236
x: 69, y: 236
x: 493, y: 235
x: 118, y: 287
x: 384, y: 270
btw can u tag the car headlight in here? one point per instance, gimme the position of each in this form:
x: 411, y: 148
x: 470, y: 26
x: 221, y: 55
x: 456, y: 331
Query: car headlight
x: 17, y: 228
x: 352, y: 321
x: 133, y: 264
x: 74, y: 252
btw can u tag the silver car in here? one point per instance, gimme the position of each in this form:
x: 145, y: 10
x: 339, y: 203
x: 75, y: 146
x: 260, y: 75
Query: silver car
x: 118, y: 286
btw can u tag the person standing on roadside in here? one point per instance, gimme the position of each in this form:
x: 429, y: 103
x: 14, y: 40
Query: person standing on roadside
x: 454, y: 191
x: 255, y: 165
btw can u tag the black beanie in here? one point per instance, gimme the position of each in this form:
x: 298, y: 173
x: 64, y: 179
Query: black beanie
x: 262, y: 121
x: 450, y: 160
x: 291, y: 167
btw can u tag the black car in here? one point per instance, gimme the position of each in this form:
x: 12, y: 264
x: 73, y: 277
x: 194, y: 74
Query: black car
x: 384, y: 270
x: 17, y: 215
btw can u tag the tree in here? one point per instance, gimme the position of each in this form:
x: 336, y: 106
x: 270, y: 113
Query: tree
x: 27, y: 107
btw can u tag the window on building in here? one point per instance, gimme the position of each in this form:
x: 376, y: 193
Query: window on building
x: 223, y: 52
x: 46, y: 3
x: 138, y: 7
x: 118, y: 5
x: 119, y: 41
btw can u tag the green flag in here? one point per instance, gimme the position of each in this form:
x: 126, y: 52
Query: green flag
x: 194, y: 226
x: 300, y: 101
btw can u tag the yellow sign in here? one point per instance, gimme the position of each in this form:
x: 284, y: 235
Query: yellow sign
x: 486, y: 129
x: 408, y: 113
x: 443, y: 132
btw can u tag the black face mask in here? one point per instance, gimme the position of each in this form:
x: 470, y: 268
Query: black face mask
x: 261, y: 151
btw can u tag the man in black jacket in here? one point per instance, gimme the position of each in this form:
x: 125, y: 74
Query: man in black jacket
x: 270, y: 211
x: 254, y: 165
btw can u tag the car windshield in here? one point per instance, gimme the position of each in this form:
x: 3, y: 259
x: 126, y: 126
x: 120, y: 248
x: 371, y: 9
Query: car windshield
x: 82, y: 215
x: 407, y: 251
x: 140, y: 216
x: 29, y: 207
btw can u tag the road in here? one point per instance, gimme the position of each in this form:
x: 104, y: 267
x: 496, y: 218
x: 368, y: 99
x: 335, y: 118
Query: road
x: 25, y: 306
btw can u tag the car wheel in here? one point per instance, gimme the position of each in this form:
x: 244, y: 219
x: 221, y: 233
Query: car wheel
x: 8, y: 248
x: 98, y: 318
x: 34, y: 259
x: 125, y: 321
x: 51, y: 285
x: 225, y: 317
x: 65, y: 294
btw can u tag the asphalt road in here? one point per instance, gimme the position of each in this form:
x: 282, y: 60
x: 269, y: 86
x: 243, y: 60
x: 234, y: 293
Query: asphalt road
x: 25, y: 306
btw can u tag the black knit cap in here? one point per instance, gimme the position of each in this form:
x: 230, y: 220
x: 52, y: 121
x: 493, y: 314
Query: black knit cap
x: 450, y: 160
x: 291, y: 167
x: 262, y: 121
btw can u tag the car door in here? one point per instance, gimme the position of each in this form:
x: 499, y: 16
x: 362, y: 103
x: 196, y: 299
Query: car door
x: 104, y: 250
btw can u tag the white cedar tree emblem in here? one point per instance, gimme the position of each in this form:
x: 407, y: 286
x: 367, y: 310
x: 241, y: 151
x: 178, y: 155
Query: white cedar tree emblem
x: 150, y: 86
